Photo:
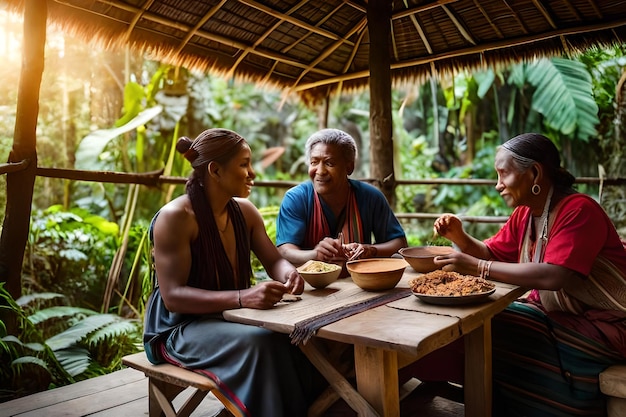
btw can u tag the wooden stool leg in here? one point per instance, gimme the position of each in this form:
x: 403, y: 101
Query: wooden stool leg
x: 192, y: 403
x: 160, y: 396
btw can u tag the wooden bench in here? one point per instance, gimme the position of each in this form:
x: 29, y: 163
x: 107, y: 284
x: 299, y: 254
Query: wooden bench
x: 613, y: 385
x: 166, y: 381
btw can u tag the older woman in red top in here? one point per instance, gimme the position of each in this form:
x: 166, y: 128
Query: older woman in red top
x: 549, y: 347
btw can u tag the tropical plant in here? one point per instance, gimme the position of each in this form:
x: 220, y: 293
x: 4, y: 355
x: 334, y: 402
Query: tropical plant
x: 607, y: 67
x: 27, y: 364
x: 69, y: 252
x: 85, y: 342
x: 57, y: 344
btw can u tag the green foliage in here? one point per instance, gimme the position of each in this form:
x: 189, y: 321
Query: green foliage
x: 27, y: 364
x: 89, y: 154
x: 95, y: 343
x: 83, y: 341
x: 269, y: 219
x: 61, y: 250
x: 564, y: 96
x: 56, y: 345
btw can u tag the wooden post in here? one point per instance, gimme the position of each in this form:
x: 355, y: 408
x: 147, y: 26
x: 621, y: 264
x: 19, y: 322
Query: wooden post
x: 15, y: 228
x: 381, y: 122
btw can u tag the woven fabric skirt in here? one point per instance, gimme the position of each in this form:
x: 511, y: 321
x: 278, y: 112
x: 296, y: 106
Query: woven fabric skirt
x: 543, y: 369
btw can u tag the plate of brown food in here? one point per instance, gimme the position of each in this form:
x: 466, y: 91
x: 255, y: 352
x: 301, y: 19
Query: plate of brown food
x: 451, y: 288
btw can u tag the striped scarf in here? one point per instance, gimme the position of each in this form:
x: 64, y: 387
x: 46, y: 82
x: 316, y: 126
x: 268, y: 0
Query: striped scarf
x: 318, y: 229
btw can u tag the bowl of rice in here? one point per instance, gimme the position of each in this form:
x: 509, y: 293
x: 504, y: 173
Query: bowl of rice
x: 319, y: 274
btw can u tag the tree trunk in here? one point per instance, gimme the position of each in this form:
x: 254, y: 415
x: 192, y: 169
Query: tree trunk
x: 614, y: 150
x: 20, y: 184
x: 381, y: 123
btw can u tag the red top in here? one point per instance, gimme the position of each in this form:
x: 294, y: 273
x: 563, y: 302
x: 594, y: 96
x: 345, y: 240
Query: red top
x: 581, y: 232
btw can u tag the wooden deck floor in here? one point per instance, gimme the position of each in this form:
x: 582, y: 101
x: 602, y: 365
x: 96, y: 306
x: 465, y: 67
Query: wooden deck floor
x: 125, y: 393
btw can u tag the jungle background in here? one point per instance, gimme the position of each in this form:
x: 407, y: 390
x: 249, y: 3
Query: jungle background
x: 86, y: 273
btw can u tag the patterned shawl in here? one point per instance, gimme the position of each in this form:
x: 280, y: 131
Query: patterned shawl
x: 318, y: 229
x: 603, y: 289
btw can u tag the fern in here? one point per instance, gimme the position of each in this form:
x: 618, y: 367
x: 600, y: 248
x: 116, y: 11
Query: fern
x: 58, y: 313
x: 24, y: 356
x: 75, y: 360
x: 113, y: 330
x: 31, y: 360
x: 37, y: 347
x: 79, y: 331
x: 26, y: 300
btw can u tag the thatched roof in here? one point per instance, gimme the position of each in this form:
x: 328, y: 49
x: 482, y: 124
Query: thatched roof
x: 314, y: 47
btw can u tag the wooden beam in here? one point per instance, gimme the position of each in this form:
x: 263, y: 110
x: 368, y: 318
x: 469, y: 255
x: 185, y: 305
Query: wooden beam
x: 198, y: 25
x: 495, y: 27
x: 381, y: 118
x: 292, y: 20
x: 184, y: 28
x: 20, y: 184
x: 13, y: 167
x: 545, y: 13
x: 459, y: 25
x: 261, y: 38
x: 421, y: 8
x: 137, y: 17
x: 475, y: 49
x: 358, y: 27
x: 148, y: 178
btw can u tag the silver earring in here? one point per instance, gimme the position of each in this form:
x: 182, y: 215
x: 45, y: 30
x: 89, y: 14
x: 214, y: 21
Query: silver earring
x: 536, y: 189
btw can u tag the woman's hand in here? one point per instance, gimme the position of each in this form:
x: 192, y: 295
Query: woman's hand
x: 294, y: 282
x: 263, y: 295
x: 450, y: 227
x: 459, y: 262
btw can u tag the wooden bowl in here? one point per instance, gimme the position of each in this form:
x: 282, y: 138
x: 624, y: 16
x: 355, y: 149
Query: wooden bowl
x: 421, y: 257
x: 319, y: 274
x: 376, y: 274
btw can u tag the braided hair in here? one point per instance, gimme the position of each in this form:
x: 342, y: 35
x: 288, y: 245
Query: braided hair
x: 214, y: 271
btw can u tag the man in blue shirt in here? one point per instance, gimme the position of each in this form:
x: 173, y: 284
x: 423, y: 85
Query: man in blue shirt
x: 333, y: 218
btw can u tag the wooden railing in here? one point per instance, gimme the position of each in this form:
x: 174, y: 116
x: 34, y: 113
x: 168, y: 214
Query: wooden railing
x: 155, y: 179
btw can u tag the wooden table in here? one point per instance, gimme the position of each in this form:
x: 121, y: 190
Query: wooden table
x: 388, y: 337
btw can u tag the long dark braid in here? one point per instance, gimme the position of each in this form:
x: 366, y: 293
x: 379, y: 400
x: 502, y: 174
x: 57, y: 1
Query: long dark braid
x: 211, y: 268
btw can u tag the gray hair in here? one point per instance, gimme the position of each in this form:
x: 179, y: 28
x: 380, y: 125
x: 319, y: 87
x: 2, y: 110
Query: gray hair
x: 529, y: 148
x: 521, y: 163
x: 332, y: 137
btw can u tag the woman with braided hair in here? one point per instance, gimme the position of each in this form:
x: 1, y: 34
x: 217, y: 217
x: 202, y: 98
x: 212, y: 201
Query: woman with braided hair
x: 202, y: 242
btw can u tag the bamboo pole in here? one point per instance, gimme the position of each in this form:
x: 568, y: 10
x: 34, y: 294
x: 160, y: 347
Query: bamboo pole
x: 20, y: 184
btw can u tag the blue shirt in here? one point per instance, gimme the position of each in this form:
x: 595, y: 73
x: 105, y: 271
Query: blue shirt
x: 296, y: 210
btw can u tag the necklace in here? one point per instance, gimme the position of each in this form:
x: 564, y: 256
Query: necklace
x: 225, y: 226
x: 543, y: 238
